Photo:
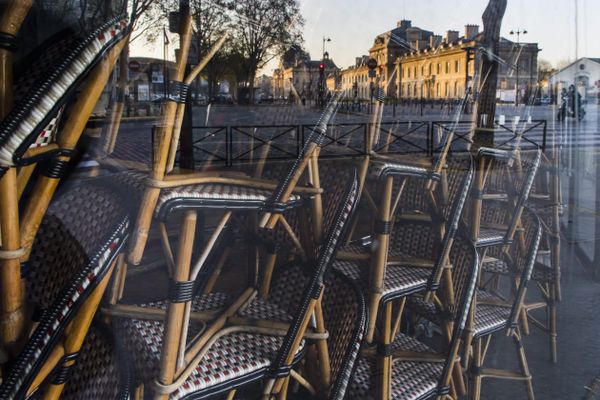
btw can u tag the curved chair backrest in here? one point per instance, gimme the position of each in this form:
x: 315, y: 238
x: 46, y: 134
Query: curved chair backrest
x: 522, y: 256
x: 459, y: 177
x: 465, y: 270
x: 103, y: 370
x: 513, y: 177
x: 74, y: 251
x: 345, y: 314
x: 32, y: 124
x: 340, y: 202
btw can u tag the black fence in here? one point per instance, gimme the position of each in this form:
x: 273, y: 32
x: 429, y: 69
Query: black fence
x: 231, y: 145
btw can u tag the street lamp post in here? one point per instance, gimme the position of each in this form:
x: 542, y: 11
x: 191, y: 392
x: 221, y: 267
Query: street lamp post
x: 518, y: 32
x: 325, y: 39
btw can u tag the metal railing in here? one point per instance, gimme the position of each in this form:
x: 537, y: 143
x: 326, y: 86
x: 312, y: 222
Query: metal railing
x: 230, y: 145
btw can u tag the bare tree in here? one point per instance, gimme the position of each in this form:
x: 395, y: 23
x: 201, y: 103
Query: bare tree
x: 263, y: 29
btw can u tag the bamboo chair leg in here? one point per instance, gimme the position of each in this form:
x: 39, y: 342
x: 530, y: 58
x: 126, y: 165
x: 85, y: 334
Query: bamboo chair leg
x: 78, y: 330
x: 475, y: 375
x: 175, y: 311
x: 12, y: 322
x: 270, y: 259
x: 323, y: 351
x: 524, y: 322
x: 378, y: 264
x: 385, y: 361
x: 284, y: 390
x: 274, y: 387
x: 458, y: 380
x: 212, y: 280
x: 118, y: 283
x: 552, y: 325
x: 139, y: 392
x: 524, y: 365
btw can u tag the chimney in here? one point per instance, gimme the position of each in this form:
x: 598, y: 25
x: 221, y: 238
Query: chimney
x: 451, y: 36
x: 471, y: 31
x: 435, y: 41
x: 404, y: 24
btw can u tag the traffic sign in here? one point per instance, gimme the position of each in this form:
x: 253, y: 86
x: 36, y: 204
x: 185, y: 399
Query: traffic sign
x: 134, y: 66
x: 372, y: 63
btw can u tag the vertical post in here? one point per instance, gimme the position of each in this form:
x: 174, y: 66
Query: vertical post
x: 11, y: 295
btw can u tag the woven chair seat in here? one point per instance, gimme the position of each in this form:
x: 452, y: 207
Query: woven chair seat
x: 409, y: 380
x: 102, y: 370
x: 33, y: 120
x: 489, y: 237
x: 221, y: 196
x: 399, y: 280
x: 234, y: 359
x: 542, y: 270
x: 261, y: 309
x: 495, y: 266
x: 489, y: 318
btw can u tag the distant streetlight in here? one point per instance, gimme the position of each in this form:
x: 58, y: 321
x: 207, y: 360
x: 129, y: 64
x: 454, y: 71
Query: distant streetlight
x: 518, y: 32
x: 325, y: 39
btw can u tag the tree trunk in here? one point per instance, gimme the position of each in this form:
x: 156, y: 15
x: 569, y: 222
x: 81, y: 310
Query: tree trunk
x: 488, y: 78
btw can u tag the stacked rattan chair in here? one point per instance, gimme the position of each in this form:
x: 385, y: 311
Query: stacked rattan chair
x: 37, y: 134
x: 251, y: 339
x: 421, y: 234
x: 418, y: 371
x: 495, y: 312
x: 545, y: 199
x: 72, y: 259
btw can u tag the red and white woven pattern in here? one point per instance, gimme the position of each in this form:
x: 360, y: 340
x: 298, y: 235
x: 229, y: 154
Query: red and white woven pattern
x: 41, y: 343
x: 410, y: 380
x: 399, y: 280
x: 48, y: 134
x: 27, y: 118
x: 232, y: 356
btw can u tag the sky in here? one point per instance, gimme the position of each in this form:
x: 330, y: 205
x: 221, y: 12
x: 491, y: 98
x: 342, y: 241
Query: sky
x: 353, y: 24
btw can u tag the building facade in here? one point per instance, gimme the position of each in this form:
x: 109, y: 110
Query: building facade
x: 444, y: 69
x: 301, y: 80
x: 584, y: 74
x: 390, y: 45
x: 354, y: 81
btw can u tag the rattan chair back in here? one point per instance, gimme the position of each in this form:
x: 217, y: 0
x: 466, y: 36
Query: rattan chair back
x: 345, y: 313
x: 73, y: 256
x: 340, y: 205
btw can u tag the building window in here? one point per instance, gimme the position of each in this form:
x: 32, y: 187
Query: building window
x: 437, y: 88
x: 456, y: 89
x: 438, y: 69
x: 447, y: 67
x: 409, y: 72
x: 430, y: 66
x: 415, y: 90
x: 415, y: 72
x: 457, y: 66
x: 447, y: 89
x: 422, y: 70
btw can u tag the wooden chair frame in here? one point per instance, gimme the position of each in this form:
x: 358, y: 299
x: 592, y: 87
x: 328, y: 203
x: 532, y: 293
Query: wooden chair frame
x: 18, y: 229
